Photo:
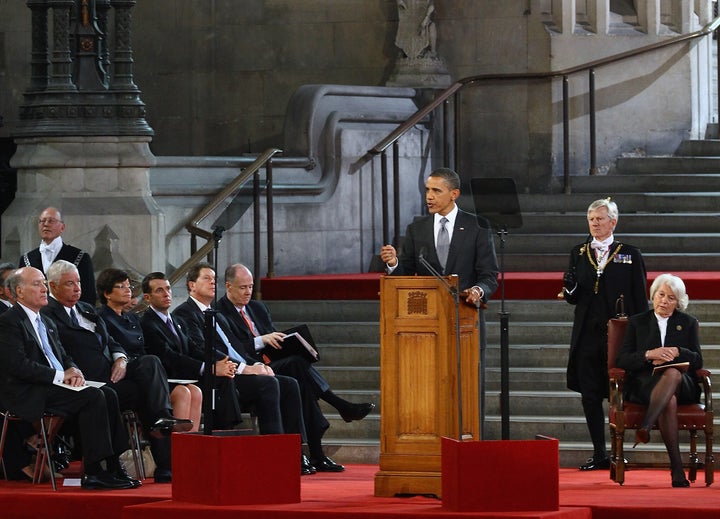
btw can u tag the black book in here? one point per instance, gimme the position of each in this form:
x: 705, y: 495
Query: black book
x: 297, y: 341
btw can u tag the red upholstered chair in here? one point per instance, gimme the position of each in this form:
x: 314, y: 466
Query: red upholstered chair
x: 626, y: 415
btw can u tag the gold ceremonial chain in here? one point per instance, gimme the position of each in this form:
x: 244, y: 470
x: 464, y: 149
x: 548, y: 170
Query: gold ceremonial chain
x: 596, y: 265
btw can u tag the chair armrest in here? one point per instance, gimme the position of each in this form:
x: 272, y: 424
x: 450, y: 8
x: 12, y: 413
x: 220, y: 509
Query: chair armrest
x: 703, y: 376
x: 617, y: 378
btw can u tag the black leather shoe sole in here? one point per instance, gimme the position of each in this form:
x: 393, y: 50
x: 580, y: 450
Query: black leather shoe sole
x: 357, y: 412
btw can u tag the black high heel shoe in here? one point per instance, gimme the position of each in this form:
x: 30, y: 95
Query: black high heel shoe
x: 642, y: 435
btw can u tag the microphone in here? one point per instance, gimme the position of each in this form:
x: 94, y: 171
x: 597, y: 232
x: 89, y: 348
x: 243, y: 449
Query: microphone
x: 421, y: 254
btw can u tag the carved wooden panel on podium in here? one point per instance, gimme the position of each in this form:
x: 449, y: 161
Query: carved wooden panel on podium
x: 419, y: 381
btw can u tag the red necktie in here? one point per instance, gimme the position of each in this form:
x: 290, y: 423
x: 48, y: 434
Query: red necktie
x: 248, y: 322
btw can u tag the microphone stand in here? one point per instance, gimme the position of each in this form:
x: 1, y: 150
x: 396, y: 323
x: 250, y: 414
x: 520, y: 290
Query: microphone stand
x: 209, y: 334
x: 456, y: 298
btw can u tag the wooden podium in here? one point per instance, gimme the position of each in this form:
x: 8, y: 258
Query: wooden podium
x: 419, y: 381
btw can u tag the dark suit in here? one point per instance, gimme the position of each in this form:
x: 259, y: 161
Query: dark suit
x: 311, y: 382
x: 643, y: 334
x: 471, y: 255
x: 182, y: 360
x: 276, y: 399
x: 26, y: 388
x: 624, y: 275
x: 77, y: 257
x: 145, y: 386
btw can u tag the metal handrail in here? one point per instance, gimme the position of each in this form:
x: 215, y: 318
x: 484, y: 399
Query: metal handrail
x: 455, y: 87
x: 228, y: 191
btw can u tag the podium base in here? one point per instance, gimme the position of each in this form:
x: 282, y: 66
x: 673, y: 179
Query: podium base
x: 528, y: 481
x: 236, y: 470
x: 397, y: 483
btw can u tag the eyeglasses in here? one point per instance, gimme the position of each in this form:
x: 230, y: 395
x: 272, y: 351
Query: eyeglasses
x: 49, y: 221
x: 124, y: 287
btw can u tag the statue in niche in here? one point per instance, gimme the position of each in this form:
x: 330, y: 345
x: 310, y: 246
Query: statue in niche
x: 416, y: 34
x: 418, y: 64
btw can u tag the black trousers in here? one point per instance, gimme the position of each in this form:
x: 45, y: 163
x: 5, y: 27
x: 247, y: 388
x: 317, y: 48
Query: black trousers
x: 99, y: 423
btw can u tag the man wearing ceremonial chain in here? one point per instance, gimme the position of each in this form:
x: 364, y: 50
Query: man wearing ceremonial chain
x: 604, y: 278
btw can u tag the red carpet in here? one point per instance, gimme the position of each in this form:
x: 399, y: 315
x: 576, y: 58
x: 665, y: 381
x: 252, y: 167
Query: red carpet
x: 518, y: 285
x: 583, y: 495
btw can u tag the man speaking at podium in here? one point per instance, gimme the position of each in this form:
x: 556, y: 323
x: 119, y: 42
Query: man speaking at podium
x: 450, y: 240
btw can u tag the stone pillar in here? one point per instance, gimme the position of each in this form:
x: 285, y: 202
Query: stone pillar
x: 648, y: 12
x: 563, y: 13
x: 599, y: 16
x: 83, y: 141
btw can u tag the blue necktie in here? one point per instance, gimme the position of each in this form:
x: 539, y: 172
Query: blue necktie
x: 232, y: 353
x: 42, y: 332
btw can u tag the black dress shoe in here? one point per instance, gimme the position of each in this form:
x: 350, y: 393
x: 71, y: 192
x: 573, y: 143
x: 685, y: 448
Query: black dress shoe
x: 356, y: 411
x: 162, y: 476
x: 122, y: 475
x: 325, y: 464
x: 596, y: 464
x: 103, y: 481
x: 165, y: 426
x: 306, y: 468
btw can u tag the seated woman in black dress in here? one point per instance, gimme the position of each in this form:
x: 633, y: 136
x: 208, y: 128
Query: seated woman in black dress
x: 115, y: 294
x: 662, y: 335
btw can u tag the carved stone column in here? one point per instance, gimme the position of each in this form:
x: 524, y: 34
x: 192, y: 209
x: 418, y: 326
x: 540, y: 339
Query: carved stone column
x: 83, y: 141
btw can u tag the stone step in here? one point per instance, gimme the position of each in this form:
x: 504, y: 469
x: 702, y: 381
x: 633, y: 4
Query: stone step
x: 532, y: 356
x: 631, y: 202
x: 675, y: 165
x: 345, y: 311
x: 649, y: 243
x: 661, y: 262
x: 575, y: 223
x: 609, y: 185
x: 699, y: 148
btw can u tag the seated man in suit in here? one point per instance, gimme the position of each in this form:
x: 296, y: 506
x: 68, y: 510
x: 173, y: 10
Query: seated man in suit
x: 182, y: 359
x: 250, y: 321
x: 33, y: 363
x: 140, y: 381
x: 52, y: 248
x: 257, y: 384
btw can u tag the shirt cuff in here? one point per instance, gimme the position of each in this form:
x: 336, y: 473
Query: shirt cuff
x: 59, y: 377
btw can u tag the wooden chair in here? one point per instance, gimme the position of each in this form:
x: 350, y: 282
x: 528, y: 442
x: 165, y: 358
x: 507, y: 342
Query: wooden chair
x: 627, y: 415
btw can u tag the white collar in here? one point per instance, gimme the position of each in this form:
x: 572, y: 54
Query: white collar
x: 202, y: 306
x: 451, y: 216
x: 54, y: 245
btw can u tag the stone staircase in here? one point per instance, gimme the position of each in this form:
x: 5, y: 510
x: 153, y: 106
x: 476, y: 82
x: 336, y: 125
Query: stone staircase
x: 668, y: 208
x: 347, y: 333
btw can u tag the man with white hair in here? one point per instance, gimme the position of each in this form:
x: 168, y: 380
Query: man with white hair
x: 604, y: 277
